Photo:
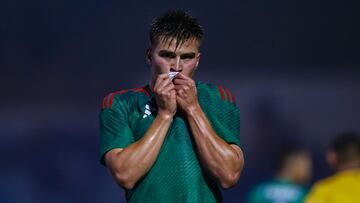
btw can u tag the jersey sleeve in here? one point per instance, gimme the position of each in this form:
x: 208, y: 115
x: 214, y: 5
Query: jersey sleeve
x: 228, y: 123
x: 224, y: 115
x: 115, y: 131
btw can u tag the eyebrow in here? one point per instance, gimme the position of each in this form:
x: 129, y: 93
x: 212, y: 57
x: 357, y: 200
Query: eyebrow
x: 173, y: 54
x: 188, y: 55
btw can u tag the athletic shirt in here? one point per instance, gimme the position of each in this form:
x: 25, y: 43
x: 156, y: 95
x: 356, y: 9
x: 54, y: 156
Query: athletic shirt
x: 176, y: 175
x: 278, y: 191
x: 343, y: 187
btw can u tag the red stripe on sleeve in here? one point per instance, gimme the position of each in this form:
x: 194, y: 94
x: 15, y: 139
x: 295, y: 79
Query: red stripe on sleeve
x: 108, y: 101
x: 120, y: 92
x: 138, y: 90
x: 221, y: 93
x: 141, y: 89
x: 232, y: 98
x: 112, y: 95
x: 146, y: 92
x: 227, y: 94
x: 111, y: 100
x: 104, y: 102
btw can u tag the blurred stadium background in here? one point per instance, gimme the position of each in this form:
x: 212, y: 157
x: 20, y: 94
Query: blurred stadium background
x: 294, y: 67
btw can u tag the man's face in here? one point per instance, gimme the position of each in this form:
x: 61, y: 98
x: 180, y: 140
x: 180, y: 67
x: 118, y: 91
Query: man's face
x: 303, y: 167
x: 163, y: 57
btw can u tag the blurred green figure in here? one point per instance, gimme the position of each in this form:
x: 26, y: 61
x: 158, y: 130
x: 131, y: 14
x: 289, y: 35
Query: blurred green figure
x: 344, y: 186
x: 294, y: 171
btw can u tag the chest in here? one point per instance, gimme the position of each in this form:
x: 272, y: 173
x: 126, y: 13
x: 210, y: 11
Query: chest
x: 143, y: 115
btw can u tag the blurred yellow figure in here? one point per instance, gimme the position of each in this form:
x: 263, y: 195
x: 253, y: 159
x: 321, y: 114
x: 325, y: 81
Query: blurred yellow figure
x: 344, y: 185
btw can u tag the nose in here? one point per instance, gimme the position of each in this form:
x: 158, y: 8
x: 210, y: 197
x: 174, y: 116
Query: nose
x: 176, y: 65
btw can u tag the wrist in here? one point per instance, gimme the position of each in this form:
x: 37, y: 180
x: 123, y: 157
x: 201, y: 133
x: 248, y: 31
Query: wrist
x: 165, y: 116
x: 192, y: 110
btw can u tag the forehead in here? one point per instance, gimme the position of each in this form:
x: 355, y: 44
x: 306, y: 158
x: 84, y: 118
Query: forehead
x: 170, y: 44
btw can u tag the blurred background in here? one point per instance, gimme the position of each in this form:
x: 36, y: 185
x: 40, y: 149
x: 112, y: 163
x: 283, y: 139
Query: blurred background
x: 294, y: 67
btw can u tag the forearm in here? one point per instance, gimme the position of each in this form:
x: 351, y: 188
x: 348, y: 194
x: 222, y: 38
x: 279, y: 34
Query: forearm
x: 134, y: 161
x: 219, y: 158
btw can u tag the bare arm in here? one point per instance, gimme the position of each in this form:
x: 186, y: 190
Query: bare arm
x: 128, y: 165
x: 222, y: 160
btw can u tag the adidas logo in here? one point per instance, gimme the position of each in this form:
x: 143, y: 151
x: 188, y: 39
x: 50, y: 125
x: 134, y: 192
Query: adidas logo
x: 150, y: 108
x: 147, y: 111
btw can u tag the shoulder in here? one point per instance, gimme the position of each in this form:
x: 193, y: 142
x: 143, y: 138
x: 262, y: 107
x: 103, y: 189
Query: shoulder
x: 264, y: 185
x: 122, y: 96
x: 326, y: 182
x: 216, y: 92
x: 331, y: 187
x: 259, y: 190
x: 321, y: 188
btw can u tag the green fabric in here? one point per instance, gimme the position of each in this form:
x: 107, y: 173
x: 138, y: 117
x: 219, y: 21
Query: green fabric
x: 277, y: 191
x: 176, y: 176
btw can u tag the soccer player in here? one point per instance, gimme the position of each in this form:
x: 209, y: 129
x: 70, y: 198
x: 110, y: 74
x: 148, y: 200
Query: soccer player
x: 344, y: 185
x: 294, y: 171
x: 173, y: 140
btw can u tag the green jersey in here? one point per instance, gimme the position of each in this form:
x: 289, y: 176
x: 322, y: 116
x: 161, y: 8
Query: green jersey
x: 177, y: 175
x: 278, y: 191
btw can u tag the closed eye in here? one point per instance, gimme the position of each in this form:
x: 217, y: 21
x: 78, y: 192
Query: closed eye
x: 188, y: 56
x: 167, y: 54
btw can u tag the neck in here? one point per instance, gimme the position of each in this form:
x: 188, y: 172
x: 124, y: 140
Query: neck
x: 285, y: 176
x: 152, y: 84
x: 349, y: 166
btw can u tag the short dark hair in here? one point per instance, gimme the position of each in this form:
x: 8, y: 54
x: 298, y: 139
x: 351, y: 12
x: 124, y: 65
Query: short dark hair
x: 286, y: 152
x: 346, y: 145
x: 175, y: 24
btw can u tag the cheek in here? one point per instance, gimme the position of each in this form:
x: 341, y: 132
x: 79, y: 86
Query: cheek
x: 189, y: 68
x: 160, y: 65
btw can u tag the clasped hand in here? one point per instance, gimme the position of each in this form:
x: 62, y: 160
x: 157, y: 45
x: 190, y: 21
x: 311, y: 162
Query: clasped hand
x: 179, y: 94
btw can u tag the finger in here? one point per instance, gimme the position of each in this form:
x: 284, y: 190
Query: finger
x: 165, y: 90
x: 184, y: 80
x: 168, y: 88
x: 163, y: 84
x: 182, y: 87
x: 163, y: 75
x: 180, y: 92
x: 182, y: 76
x: 172, y: 94
x: 181, y: 82
x: 178, y: 87
x: 160, y: 78
x: 187, y: 78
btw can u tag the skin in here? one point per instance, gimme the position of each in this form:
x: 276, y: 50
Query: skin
x: 334, y: 161
x: 297, y: 168
x: 221, y: 160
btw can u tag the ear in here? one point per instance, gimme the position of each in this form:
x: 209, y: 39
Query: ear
x: 198, y: 59
x: 148, y: 55
x: 331, y: 158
